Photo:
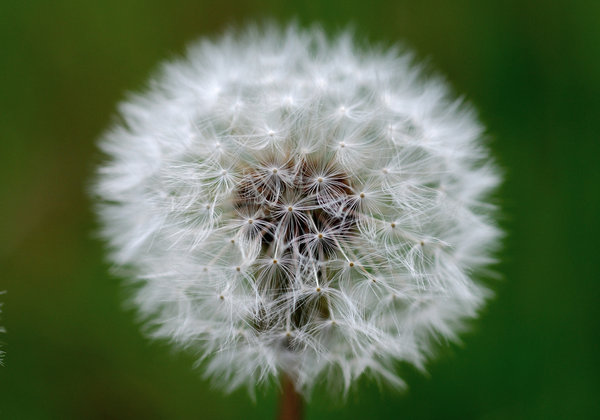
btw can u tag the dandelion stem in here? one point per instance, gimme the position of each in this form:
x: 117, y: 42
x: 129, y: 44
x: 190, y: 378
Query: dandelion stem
x: 291, y: 406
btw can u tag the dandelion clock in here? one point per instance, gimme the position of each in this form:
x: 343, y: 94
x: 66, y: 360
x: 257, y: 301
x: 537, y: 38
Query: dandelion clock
x: 295, y: 206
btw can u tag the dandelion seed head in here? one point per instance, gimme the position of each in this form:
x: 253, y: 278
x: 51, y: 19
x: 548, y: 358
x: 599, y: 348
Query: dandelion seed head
x: 333, y: 199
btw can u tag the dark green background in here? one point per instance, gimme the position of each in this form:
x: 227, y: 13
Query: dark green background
x: 532, y: 68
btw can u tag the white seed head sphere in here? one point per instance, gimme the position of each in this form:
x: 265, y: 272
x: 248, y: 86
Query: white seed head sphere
x: 291, y: 203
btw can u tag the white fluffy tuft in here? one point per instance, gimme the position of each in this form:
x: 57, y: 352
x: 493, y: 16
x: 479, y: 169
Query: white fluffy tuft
x: 2, y: 330
x: 292, y: 204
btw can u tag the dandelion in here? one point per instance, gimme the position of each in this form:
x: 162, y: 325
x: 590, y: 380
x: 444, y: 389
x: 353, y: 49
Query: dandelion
x: 291, y: 204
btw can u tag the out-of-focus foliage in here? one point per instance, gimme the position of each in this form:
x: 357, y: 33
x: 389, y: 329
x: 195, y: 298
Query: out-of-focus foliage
x: 531, y: 68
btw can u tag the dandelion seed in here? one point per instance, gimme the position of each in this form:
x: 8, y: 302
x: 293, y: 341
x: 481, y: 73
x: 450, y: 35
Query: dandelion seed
x: 2, y: 330
x: 239, y: 175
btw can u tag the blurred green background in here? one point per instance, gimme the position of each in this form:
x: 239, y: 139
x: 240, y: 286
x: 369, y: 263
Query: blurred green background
x: 532, y: 68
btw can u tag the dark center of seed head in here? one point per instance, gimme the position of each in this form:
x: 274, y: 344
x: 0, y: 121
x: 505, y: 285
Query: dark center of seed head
x: 257, y: 194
